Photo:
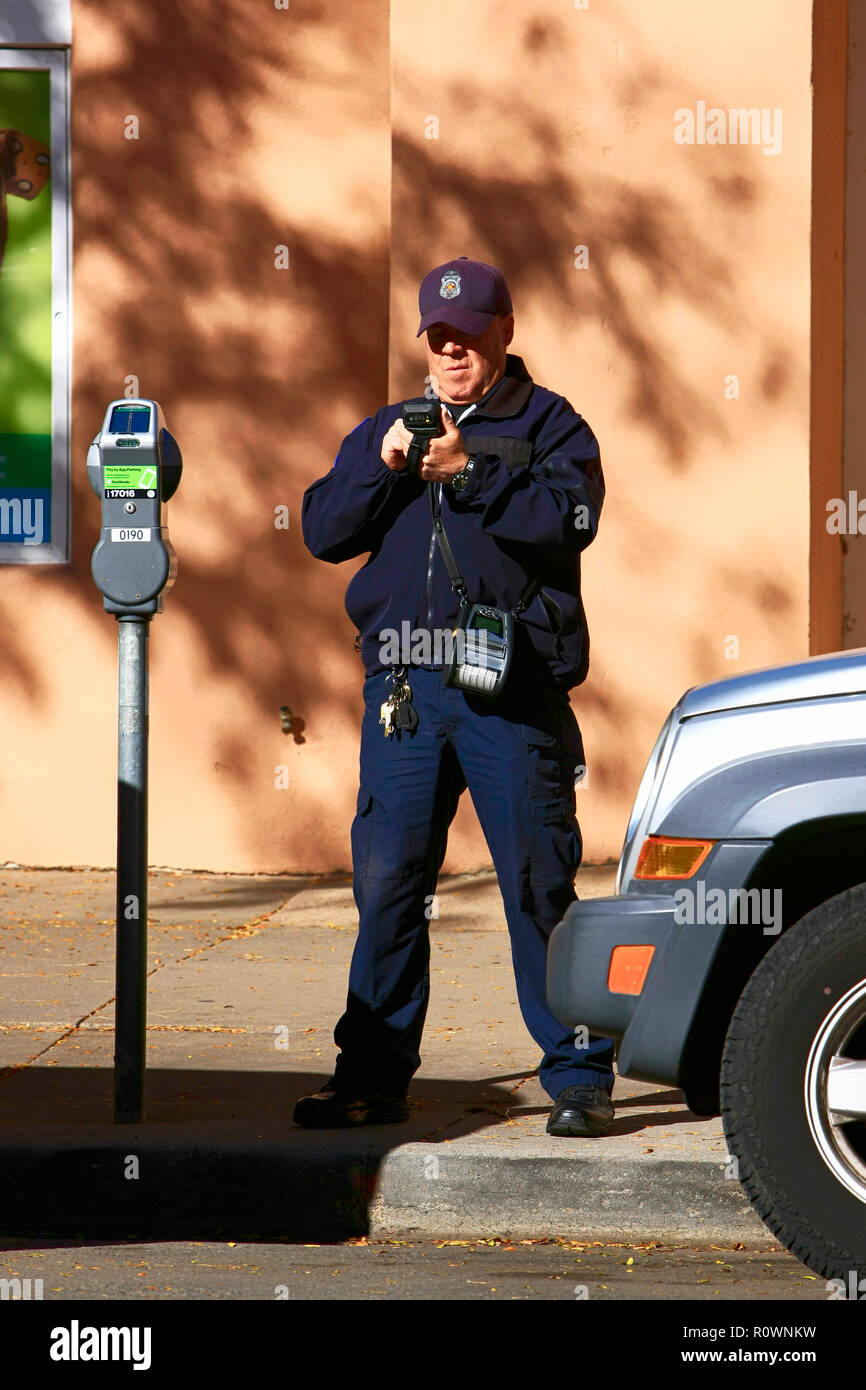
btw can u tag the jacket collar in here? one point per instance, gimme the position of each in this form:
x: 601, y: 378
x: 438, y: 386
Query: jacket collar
x: 510, y: 393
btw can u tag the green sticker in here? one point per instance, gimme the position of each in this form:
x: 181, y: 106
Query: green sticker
x: 118, y: 476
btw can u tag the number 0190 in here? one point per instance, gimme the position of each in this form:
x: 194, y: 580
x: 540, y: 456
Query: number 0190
x: 130, y: 533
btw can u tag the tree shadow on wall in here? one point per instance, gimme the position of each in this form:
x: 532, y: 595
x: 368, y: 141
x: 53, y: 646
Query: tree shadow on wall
x: 262, y: 372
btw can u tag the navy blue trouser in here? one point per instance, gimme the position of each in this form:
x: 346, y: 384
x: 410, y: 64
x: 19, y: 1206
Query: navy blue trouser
x: 518, y: 756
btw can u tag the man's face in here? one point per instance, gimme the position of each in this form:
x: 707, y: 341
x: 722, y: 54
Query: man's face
x: 463, y: 367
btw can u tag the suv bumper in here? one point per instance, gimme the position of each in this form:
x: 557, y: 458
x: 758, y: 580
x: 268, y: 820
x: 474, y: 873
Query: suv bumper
x: 653, y: 1026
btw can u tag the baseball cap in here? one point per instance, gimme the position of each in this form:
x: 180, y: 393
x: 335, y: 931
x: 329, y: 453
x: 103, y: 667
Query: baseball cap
x: 465, y: 294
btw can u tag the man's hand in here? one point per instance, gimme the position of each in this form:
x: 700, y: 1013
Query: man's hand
x: 445, y: 456
x: 395, y: 446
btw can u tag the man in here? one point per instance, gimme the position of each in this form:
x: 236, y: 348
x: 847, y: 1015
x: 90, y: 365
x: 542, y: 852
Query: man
x: 516, y: 478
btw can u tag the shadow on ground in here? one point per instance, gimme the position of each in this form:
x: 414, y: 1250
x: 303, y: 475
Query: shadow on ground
x: 216, y: 1156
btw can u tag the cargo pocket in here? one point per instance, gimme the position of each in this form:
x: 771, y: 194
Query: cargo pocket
x: 551, y: 760
x: 545, y: 774
x: 362, y: 831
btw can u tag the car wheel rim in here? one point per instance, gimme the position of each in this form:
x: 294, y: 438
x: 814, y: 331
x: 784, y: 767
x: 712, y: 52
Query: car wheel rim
x: 836, y: 1090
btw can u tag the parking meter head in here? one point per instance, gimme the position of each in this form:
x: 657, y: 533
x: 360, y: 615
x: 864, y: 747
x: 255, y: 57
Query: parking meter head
x: 134, y: 465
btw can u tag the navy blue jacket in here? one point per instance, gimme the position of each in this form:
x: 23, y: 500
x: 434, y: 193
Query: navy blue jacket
x: 530, y: 507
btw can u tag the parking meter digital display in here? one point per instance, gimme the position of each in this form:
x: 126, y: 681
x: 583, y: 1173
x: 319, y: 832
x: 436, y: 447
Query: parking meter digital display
x: 129, y: 419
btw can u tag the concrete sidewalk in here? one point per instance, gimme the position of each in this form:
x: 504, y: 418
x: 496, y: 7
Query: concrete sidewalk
x: 247, y: 978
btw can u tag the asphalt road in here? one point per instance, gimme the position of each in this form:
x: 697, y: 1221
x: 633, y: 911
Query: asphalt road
x: 406, y: 1270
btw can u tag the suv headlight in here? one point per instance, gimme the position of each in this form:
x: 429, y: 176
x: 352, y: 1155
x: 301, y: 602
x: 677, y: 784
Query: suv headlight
x: 643, y: 801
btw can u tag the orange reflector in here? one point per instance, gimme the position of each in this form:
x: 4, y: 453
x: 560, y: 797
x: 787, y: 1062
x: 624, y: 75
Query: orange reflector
x: 662, y: 857
x: 628, y: 968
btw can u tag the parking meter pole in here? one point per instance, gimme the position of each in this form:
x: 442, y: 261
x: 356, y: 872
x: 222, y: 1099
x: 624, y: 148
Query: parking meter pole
x: 130, y: 1019
x: 134, y: 466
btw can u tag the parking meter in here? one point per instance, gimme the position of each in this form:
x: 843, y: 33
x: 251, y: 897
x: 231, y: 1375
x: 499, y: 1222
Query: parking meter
x: 134, y: 466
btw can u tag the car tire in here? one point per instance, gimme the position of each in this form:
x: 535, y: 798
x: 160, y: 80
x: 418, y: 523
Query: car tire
x: 801, y: 1161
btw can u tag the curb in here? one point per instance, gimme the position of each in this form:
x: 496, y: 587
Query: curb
x: 328, y: 1191
x: 466, y: 1193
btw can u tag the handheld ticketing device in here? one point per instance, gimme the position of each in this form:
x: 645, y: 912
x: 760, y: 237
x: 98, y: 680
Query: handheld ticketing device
x: 422, y: 419
x: 134, y: 466
x: 481, y: 654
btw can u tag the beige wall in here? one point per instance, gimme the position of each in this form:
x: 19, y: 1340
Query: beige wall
x: 309, y: 127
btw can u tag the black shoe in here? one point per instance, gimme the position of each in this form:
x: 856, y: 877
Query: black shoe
x: 332, y: 1109
x: 581, y: 1110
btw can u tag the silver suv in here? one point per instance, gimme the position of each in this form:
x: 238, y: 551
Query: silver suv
x: 732, y: 960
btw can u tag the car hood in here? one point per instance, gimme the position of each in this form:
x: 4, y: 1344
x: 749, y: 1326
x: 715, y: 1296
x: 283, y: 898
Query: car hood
x: 839, y: 673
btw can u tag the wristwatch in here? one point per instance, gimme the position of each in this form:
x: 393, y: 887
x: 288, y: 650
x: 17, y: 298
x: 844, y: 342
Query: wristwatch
x: 459, y: 481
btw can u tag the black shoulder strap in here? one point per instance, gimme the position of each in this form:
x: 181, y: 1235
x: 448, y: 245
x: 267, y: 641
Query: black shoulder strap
x: 526, y: 597
x: 457, y: 581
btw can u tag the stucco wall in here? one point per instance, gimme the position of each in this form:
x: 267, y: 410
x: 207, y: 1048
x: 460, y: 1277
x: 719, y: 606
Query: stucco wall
x: 310, y: 128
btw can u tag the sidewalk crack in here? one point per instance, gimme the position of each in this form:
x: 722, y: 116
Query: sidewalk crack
x: 246, y: 929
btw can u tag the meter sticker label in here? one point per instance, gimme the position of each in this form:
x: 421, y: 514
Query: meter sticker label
x: 121, y: 480
x: 130, y: 533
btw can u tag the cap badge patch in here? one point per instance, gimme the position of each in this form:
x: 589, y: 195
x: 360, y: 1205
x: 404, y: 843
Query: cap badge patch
x: 450, y: 286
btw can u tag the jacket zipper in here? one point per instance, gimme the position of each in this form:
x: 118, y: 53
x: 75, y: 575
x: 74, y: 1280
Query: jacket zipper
x: 430, y: 576
x: 431, y: 554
